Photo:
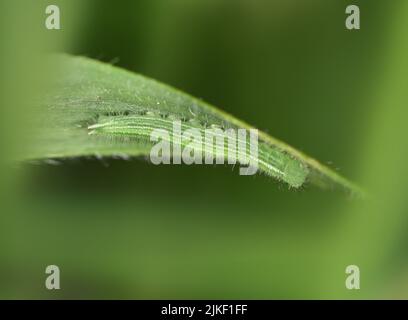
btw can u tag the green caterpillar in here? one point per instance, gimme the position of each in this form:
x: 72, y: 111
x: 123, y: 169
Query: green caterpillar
x: 270, y: 159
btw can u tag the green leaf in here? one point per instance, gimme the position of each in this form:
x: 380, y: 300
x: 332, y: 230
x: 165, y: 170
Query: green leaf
x: 100, y: 110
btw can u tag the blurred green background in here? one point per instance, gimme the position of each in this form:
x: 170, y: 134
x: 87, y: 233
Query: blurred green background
x: 133, y: 230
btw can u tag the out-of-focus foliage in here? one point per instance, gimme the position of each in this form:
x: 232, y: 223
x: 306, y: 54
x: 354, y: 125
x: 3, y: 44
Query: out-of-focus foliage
x: 132, y: 230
